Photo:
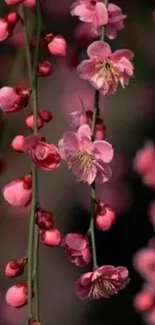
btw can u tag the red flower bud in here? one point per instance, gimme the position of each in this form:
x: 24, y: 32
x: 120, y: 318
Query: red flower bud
x: 44, y: 220
x: 46, y: 115
x: 29, y: 121
x: 51, y: 237
x: 15, y: 268
x: 17, y: 295
x: 105, y: 217
x: 44, y: 68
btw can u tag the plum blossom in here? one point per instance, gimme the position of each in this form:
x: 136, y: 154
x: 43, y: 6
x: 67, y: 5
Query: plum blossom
x: 77, y: 249
x: 57, y: 45
x: 104, y: 282
x: 104, y: 69
x: 105, y: 217
x: 88, y: 160
x: 115, y: 21
x: 144, y: 263
x: 45, y: 155
x: 4, y: 29
x: 90, y: 11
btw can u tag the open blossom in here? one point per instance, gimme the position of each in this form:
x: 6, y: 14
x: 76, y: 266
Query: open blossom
x: 90, y: 11
x: 144, y: 263
x: 13, y: 99
x: 45, y: 155
x: 88, y: 160
x: 104, y: 282
x: 19, y: 192
x: 104, y: 69
x: 115, y: 21
x: 77, y: 249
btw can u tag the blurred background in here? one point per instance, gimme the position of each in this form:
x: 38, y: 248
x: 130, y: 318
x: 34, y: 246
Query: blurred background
x: 129, y: 116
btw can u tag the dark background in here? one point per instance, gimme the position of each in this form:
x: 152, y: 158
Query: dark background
x: 129, y: 118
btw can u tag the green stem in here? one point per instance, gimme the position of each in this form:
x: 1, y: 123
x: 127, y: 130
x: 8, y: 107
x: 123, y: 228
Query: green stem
x: 33, y: 242
x: 96, y: 113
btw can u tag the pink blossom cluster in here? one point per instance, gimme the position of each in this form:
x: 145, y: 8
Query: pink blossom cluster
x: 144, y: 259
x: 85, y: 150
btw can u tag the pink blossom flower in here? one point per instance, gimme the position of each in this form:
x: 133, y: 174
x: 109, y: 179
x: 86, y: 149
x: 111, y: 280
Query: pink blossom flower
x: 45, y: 155
x: 144, y: 263
x: 4, y: 29
x: 115, y: 20
x: 77, y: 249
x: 17, y: 295
x: 144, y: 300
x: 145, y: 158
x: 19, y: 192
x: 13, y: 99
x: 90, y: 11
x: 104, y: 282
x: 87, y: 159
x: 105, y: 70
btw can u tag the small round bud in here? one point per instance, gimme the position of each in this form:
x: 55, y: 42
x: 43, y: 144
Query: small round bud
x: 143, y: 301
x: 44, y: 68
x: 51, y: 237
x: 56, y: 44
x: 27, y: 181
x: 17, y: 295
x: 15, y: 268
x: 46, y: 115
x: 12, y: 18
x: 17, y: 143
x: 105, y: 217
x: 44, y: 220
x: 29, y: 122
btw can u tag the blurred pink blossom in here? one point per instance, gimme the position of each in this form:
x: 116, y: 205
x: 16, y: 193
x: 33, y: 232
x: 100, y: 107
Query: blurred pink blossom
x: 144, y: 263
x: 115, y: 20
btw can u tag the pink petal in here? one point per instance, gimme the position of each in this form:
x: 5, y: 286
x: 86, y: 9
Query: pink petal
x: 85, y: 131
x: 125, y: 65
x: 75, y: 241
x: 103, y: 150
x: 112, y: 8
x: 71, y: 140
x: 117, y: 55
x: 86, y: 69
x: 111, y: 31
x: 30, y: 142
x: 91, y: 175
x: 99, y: 49
x: 103, y: 172
x: 101, y: 15
x: 62, y: 149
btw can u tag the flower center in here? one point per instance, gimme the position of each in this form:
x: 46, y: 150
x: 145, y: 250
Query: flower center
x: 82, y: 162
x: 102, y: 288
x: 110, y: 72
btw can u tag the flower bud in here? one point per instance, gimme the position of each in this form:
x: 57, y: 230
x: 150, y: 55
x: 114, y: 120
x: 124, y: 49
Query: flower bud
x: 56, y: 44
x: 77, y: 249
x: 17, y: 295
x: 46, y: 115
x: 15, y: 268
x: 30, y: 3
x: 143, y: 301
x: 44, y: 68
x: 18, y: 192
x: 51, y: 237
x: 100, y: 130
x: 13, y: 99
x: 17, y: 143
x: 29, y: 121
x: 12, y: 18
x: 105, y: 217
x: 4, y: 29
x: 44, y: 220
